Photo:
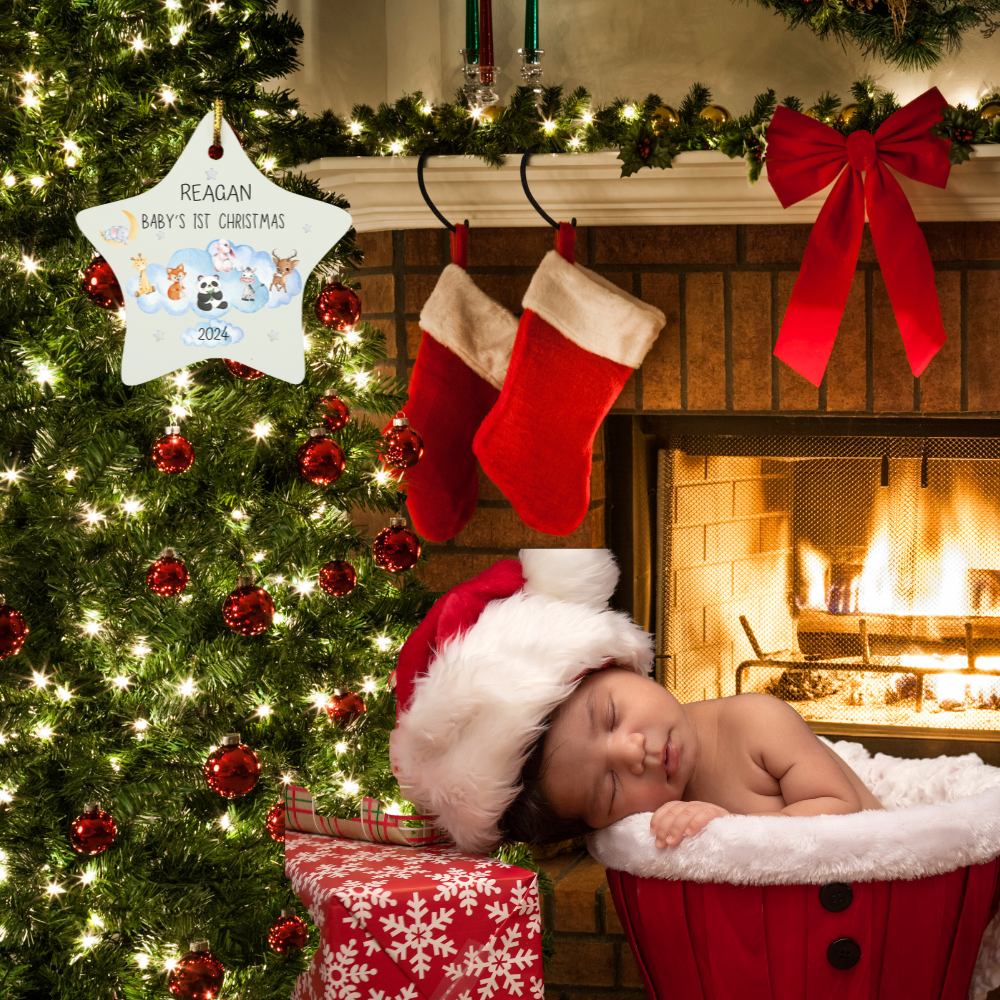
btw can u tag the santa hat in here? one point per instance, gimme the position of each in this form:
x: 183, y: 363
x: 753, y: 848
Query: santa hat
x: 479, y: 677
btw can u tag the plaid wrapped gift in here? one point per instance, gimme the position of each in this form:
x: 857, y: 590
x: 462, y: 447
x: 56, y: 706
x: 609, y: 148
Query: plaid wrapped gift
x: 400, y: 924
x: 375, y: 824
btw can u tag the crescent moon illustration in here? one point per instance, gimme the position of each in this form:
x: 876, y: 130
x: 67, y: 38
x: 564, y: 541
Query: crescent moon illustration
x: 133, y: 226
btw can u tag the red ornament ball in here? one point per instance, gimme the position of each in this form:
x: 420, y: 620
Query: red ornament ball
x: 93, y: 831
x: 99, y: 282
x: 13, y: 631
x: 321, y: 460
x: 248, y: 610
x: 345, y: 707
x: 335, y: 412
x: 396, y: 548
x: 338, y: 307
x: 275, y: 822
x: 233, y: 769
x: 244, y: 372
x: 402, y: 446
x: 173, y: 453
x: 215, y: 152
x: 198, y: 975
x: 337, y: 578
x: 288, y: 933
x: 168, y: 576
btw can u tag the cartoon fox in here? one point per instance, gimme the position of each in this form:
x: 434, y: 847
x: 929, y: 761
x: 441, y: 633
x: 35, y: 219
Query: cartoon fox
x: 176, y: 275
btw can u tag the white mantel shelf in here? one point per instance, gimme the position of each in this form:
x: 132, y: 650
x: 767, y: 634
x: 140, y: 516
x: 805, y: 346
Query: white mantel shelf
x: 702, y: 187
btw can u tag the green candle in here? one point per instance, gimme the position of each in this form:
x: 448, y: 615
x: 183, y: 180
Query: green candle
x: 472, y: 30
x: 530, y: 29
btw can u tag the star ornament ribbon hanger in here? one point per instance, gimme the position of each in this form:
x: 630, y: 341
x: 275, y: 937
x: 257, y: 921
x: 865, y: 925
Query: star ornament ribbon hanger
x: 213, y: 261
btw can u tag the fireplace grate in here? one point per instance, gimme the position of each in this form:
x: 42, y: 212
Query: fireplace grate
x: 856, y: 577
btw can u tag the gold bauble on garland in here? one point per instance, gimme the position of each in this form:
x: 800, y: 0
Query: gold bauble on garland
x: 490, y: 113
x: 847, y: 113
x: 662, y: 118
x: 990, y: 111
x: 715, y: 113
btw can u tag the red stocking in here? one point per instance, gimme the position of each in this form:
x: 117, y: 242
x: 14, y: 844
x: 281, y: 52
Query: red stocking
x: 456, y: 379
x: 578, y: 341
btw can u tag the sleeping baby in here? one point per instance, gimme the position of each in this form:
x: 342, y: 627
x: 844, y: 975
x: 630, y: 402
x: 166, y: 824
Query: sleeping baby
x: 622, y: 744
x: 525, y: 712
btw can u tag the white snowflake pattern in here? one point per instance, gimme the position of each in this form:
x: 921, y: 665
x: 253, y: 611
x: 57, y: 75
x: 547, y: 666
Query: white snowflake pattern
x: 340, y: 974
x: 408, y: 992
x: 466, y: 887
x: 494, y: 962
x: 420, y: 932
x: 524, y: 900
x: 360, y: 899
x: 537, y: 987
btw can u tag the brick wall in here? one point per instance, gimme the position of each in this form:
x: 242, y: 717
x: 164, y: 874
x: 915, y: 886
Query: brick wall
x: 592, y: 957
x: 730, y: 555
x: 723, y: 290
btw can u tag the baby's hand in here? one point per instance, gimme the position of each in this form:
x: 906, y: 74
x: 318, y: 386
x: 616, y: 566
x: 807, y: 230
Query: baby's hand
x: 676, y: 820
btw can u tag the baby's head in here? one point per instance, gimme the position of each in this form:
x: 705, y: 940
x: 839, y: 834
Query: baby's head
x: 496, y: 664
x: 619, y: 744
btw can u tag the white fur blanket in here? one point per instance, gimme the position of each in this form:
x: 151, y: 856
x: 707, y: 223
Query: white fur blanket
x: 941, y: 814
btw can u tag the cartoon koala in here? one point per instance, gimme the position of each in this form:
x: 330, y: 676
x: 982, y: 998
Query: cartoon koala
x: 209, y: 291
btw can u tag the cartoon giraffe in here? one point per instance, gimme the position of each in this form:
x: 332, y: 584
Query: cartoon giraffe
x: 139, y: 263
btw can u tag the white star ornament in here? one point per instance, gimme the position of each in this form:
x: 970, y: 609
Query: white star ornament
x: 212, y: 263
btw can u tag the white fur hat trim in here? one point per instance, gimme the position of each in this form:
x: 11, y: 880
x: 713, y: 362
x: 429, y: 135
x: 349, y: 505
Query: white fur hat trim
x: 459, y: 748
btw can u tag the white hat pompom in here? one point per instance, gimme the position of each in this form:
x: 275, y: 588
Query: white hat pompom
x: 578, y: 576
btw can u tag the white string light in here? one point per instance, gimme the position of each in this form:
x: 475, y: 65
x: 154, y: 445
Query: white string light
x: 121, y: 681
x: 28, y: 264
x: 237, y: 515
x: 64, y: 694
x: 43, y: 374
x: 138, y: 43
x: 88, y: 876
x: 261, y: 429
x: 383, y: 642
x: 141, y: 959
x: 371, y: 685
x: 341, y: 747
x: 356, y: 128
x: 259, y: 557
x: 70, y: 474
x: 10, y: 180
x: 92, y: 516
x: 131, y: 506
x: 304, y: 586
x: 587, y: 117
x: 141, y: 725
x: 396, y: 147
x: 318, y: 699
x: 140, y: 648
x: 187, y: 688
x: 39, y: 679
x: 629, y: 112
x: 427, y: 108
x: 264, y: 711
x: 351, y: 786
x: 11, y: 475
x: 93, y: 625
x: 54, y: 889
x: 44, y: 731
x: 167, y: 95
x: 268, y: 163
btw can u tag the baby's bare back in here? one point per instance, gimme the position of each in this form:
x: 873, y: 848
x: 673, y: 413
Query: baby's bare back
x: 758, y: 756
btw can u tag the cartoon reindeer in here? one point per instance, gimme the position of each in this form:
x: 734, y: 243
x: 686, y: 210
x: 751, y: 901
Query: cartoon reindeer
x: 283, y: 268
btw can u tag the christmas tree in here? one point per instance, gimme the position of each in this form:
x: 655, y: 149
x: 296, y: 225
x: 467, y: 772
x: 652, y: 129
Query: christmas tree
x: 116, y: 852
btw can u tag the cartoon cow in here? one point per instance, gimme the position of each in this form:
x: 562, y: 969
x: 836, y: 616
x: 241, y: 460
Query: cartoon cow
x: 283, y: 268
x: 247, y: 279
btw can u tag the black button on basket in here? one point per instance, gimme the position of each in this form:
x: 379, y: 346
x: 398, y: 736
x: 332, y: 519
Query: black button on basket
x: 844, y: 953
x: 836, y: 896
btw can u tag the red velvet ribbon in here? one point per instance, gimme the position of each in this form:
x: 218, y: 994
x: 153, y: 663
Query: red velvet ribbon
x: 460, y: 245
x: 566, y: 241
x: 803, y: 156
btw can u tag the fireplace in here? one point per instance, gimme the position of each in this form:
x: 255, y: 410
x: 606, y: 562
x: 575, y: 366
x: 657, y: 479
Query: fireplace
x: 850, y: 566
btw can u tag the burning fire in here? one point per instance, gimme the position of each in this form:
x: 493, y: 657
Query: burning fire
x: 932, y: 553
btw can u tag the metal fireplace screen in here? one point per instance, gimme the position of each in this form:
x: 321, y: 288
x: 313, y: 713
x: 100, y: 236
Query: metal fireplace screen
x: 857, y: 578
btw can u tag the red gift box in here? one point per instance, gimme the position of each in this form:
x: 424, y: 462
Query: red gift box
x: 402, y: 924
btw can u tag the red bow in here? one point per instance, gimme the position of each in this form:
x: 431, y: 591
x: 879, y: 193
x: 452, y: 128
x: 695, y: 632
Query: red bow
x: 803, y: 156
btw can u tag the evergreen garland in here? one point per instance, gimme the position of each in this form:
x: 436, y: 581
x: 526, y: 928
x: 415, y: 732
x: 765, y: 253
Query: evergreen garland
x: 910, y: 34
x: 574, y: 123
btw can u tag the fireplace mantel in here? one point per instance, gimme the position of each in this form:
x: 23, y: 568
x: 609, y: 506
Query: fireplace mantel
x: 702, y: 187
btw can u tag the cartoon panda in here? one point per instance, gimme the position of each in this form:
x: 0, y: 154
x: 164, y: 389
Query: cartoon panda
x: 208, y: 291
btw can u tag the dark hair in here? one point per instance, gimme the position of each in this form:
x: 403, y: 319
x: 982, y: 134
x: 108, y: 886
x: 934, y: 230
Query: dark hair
x: 530, y: 818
